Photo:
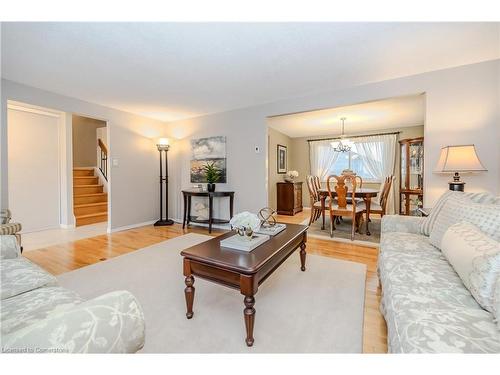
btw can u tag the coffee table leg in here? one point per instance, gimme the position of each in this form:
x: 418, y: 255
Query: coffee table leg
x: 303, y: 256
x: 189, y: 293
x: 249, y: 314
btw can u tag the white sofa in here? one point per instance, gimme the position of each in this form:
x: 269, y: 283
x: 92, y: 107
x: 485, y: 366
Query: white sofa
x: 38, y: 316
x: 426, y: 305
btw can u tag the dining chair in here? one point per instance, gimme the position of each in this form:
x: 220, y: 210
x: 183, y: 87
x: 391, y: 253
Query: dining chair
x: 380, y: 208
x: 314, y: 199
x: 340, y: 206
x: 317, y: 182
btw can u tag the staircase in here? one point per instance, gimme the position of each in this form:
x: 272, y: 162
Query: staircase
x: 90, y: 202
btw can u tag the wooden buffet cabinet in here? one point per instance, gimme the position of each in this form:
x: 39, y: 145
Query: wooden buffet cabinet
x: 289, y: 197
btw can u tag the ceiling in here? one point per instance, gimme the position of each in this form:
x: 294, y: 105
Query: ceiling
x: 172, y: 71
x: 361, y: 118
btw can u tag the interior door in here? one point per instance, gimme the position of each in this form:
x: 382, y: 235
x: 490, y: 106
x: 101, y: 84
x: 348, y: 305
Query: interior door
x: 33, y: 157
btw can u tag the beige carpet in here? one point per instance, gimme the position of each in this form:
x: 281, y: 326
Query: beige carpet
x: 320, y: 310
x: 342, y: 233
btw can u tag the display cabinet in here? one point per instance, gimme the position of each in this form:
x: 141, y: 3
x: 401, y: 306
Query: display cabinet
x: 411, y: 178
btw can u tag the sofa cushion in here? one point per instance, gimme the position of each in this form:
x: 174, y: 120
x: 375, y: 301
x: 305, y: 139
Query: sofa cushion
x: 484, y: 216
x: 9, y: 247
x: 33, y: 306
x: 476, y: 259
x: 425, y: 304
x: 496, y: 303
x: 20, y: 275
x: 428, y: 224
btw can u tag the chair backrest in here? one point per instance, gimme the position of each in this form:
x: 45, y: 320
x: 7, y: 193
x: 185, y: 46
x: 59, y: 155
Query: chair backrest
x: 385, y: 192
x: 360, y: 184
x: 317, y: 182
x: 341, y: 190
x: 313, y: 193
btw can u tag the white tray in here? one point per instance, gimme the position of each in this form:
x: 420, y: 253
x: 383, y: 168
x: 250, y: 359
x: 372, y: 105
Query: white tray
x: 272, y: 231
x: 237, y: 242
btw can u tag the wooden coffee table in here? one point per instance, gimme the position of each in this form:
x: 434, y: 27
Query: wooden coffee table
x: 241, y: 270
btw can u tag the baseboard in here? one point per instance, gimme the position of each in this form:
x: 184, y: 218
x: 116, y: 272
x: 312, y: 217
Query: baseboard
x: 67, y: 226
x: 132, y: 226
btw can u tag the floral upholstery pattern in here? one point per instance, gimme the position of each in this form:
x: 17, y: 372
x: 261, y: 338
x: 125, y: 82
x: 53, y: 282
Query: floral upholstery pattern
x: 424, y: 302
x: 38, y: 316
x: 393, y: 223
x: 20, y: 275
x: 9, y: 247
x: 35, y: 305
x: 112, y: 323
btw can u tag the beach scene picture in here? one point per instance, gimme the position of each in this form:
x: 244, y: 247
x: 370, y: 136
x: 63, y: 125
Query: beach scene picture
x: 208, y: 150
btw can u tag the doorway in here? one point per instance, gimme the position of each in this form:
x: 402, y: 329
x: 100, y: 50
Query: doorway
x: 90, y: 170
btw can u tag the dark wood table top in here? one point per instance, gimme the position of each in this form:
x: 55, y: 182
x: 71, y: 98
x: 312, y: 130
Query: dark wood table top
x: 360, y: 192
x: 210, y: 252
x: 205, y: 193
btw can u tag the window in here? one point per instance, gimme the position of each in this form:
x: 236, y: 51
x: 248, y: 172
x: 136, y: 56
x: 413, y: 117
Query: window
x: 372, y: 157
x: 354, y: 161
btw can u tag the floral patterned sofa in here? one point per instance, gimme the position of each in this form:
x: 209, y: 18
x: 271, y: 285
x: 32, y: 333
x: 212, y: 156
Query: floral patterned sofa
x: 38, y: 316
x: 425, y: 303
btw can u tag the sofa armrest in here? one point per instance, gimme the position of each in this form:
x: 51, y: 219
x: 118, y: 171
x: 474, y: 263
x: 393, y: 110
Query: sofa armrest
x: 400, y: 223
x: 111, y: 323
x: 9, y: 247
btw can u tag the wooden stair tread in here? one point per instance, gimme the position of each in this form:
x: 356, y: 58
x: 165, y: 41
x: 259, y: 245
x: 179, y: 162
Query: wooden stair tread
x: 90, y: 204
x: 89, y: 194
x: 93, y: 185
x: 83, y: 177
x: 91, y: 215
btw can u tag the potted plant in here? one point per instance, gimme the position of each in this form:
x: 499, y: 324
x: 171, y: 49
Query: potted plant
x: 212, y: 174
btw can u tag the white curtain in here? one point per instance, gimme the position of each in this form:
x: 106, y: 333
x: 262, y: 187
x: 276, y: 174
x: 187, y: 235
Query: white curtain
x: 379, y: 157
x: 321, y: 158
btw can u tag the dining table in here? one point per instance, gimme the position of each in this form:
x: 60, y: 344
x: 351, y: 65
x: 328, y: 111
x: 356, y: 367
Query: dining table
x: 365, y: 193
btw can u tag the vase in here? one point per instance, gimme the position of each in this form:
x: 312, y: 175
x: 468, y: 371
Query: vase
x: 210, y: 187
x: 289, y: 179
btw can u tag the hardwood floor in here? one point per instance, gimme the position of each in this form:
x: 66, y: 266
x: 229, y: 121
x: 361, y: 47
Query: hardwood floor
x: 69, y: 256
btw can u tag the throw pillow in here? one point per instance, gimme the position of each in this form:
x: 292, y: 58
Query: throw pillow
x: 428, y: 223
x: 475, y: 257
x: 484, y: 216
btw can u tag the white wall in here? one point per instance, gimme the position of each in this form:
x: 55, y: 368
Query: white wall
x: 276, y: 138
x: 134, y: 183
x: 462, y: 106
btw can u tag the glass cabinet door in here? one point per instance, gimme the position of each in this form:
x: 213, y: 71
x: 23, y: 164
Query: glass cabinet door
x: 416, y: 154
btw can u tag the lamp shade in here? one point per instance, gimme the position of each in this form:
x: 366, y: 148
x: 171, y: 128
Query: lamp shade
x: 459, y: 159
x: 163, y: 141
x: 163, y: 144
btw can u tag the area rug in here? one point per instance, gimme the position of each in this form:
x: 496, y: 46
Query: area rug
x: 318, y: 311
x: 342, y: 233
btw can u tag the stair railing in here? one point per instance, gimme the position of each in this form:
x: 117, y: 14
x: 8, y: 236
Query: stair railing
x: 103, y: 163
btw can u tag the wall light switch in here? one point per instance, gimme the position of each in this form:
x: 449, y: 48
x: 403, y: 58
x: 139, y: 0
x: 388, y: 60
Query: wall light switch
x: 115, y: 162
x: 257, y: 149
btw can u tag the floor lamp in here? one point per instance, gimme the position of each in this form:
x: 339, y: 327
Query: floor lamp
x: 163, y: 146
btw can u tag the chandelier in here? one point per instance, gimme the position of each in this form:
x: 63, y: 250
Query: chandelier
x: 343, y: 145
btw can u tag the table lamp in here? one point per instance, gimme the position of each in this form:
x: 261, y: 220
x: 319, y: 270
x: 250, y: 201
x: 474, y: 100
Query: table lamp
x: 456, y: 159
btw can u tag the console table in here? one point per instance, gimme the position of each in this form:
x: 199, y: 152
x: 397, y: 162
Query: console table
x: 188, y: 194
